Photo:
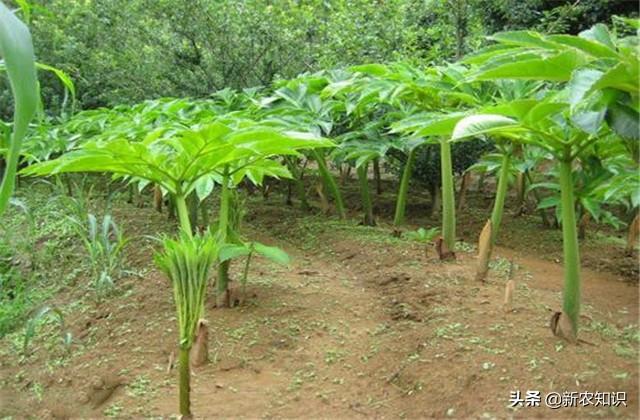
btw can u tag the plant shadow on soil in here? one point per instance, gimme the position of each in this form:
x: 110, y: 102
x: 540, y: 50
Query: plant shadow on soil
x: 361, y: 324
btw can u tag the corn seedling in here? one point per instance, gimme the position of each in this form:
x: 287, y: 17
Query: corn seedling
x: 105, y: 244
x: 34, y: 322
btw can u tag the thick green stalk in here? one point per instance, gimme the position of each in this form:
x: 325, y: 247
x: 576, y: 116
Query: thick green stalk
x: 183, y: 214
x: 448, y: 198
x: 366, y: 195
x: 501, y: 194
x: 401, y: 201
x: 193, y: 203
x: 571, y: 295
x: 185, y: 388
x: 330, y: 183
x: 223, y: 226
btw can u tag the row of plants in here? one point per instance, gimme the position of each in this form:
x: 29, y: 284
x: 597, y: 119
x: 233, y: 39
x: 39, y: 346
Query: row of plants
x: 565, y: 104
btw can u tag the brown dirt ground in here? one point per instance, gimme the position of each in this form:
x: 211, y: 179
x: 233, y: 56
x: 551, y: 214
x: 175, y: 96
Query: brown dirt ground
x: 360, y: 325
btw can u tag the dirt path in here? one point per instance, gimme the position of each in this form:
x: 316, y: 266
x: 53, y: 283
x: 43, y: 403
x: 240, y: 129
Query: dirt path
x: 360, y: 325
x: 379, y: 333
x: 602, y: 290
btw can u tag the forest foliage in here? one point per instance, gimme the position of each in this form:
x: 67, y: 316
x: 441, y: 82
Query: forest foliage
x: 125, y: 51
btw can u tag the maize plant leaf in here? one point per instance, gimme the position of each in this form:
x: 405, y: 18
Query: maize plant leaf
x: 17, y: 51
x: 62, y: 76
x: 37, y: 319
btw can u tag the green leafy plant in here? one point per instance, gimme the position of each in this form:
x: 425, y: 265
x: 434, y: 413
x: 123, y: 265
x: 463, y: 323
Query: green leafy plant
x: 224, y: 152
x: 545, y: 123
x: 601, y: 95
x: 422, y: 235
x: 248, y: 249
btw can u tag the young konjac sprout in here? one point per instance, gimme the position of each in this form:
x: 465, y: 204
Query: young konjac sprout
x: 187, y: 263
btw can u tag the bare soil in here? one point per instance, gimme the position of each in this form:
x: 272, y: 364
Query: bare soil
x: 361, y: 324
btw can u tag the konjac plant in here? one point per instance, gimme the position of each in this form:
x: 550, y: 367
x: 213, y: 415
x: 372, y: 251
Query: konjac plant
x: 601, y: 95
x: 227, y: 150
x: 187, y: 262
x: 547, y: 124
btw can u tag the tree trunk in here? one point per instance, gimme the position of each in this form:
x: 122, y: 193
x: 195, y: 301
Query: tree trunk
x: 460, y: 18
